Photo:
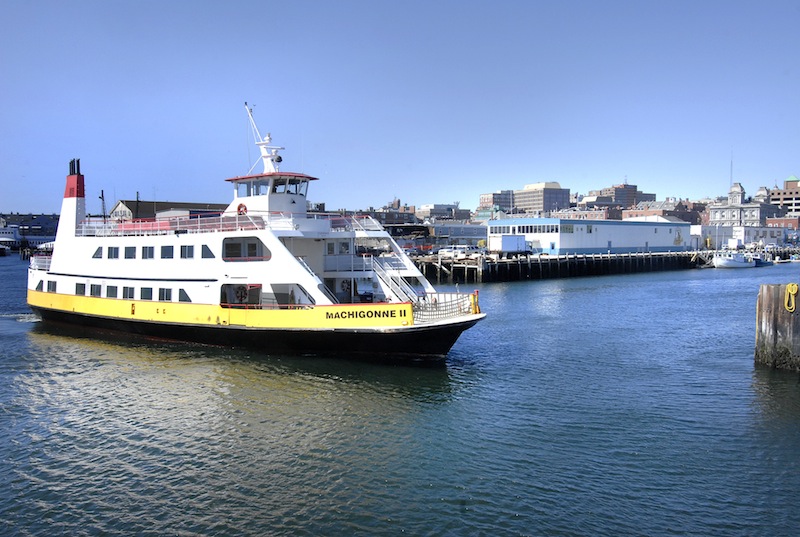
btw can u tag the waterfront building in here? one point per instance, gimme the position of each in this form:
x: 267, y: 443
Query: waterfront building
x: 623, y: 195
x: 445, y: 211
x: 737, y: 210
x: 788, y: 197
x: 540, y: 198
x: 135, y: 209
x: 669, y: 207
x: 556, y: 236
x: 502, y: 200
x: 596, y: 213
x: 787, y: 222
x: 27, y: 230
x: 717, y: 236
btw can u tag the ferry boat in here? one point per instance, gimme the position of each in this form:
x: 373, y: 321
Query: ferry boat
x: 265, y: 273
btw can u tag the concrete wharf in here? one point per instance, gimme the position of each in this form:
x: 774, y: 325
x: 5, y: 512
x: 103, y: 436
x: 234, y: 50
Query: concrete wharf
x: 540, y: 267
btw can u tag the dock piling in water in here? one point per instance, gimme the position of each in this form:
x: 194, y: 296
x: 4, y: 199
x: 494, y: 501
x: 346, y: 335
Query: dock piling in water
x: 778, y: 327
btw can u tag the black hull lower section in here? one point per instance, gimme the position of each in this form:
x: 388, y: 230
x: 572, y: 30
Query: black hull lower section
x: 416, y: 344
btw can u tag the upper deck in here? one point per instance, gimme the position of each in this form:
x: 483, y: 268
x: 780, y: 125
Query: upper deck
x: 311, y: 222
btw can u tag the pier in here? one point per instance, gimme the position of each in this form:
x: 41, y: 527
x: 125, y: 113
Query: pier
x: 541, y: 267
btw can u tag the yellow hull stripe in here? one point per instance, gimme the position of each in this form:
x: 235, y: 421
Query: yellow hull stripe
x: 188, y: 313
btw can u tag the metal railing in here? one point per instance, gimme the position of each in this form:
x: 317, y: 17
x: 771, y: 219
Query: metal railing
x: 394, y: 281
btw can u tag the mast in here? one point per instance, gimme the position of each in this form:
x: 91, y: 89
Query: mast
x: 269, y: 153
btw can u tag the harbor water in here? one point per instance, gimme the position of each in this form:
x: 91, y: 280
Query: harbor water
x: 612, y: 405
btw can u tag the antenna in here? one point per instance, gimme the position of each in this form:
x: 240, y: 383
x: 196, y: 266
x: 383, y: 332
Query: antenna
x: 269, y: 153
x: 103, y: 205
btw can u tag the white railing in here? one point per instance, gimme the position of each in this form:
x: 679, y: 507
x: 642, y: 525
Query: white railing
x: 438, y: 306
x: 40, y: 262
x: 210, y: 224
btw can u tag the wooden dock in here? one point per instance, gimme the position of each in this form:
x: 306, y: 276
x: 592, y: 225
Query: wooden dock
x: 540, y: 267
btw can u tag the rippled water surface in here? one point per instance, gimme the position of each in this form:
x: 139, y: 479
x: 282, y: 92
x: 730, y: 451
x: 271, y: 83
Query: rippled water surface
x: 622, y: 405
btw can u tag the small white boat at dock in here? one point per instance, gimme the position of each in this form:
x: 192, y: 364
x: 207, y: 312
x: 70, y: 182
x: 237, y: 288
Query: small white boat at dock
x: 733, y: 260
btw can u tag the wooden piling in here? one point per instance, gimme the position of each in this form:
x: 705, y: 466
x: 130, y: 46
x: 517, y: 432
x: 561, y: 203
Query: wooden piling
x: 778, y: 327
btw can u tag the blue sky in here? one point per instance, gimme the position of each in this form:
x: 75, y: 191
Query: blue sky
x: 427, y: 101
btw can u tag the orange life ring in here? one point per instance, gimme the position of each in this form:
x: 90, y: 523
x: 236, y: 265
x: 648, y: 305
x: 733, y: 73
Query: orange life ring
x: 242, y: 209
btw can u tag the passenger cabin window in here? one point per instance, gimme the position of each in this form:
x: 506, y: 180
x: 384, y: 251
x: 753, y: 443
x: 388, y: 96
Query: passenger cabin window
x: 207, y: 253
x: 127, y: 292
x: 111, y: 291
x: 167, y: 252
x: 245, y: 249
x: 146, y: 293
x: 130, y: 252
x: 80, y: 289
x: 113, y: 252
x: 148, y: 252
x: 98, y: 254
x: 94, y: 289
x: 165, y: 295
x: 187, y: 252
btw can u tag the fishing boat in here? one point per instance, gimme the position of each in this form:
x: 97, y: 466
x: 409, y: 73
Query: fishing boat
x: 727, y: 259
x: 266, y: 273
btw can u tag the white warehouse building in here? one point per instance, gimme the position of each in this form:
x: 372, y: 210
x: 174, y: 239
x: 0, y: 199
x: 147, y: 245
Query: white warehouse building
x: 558, y: 236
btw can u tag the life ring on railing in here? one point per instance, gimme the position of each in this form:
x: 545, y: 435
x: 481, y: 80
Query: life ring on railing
x: 241, y: 294
x: 241, y: 209
x: 346, y: 286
